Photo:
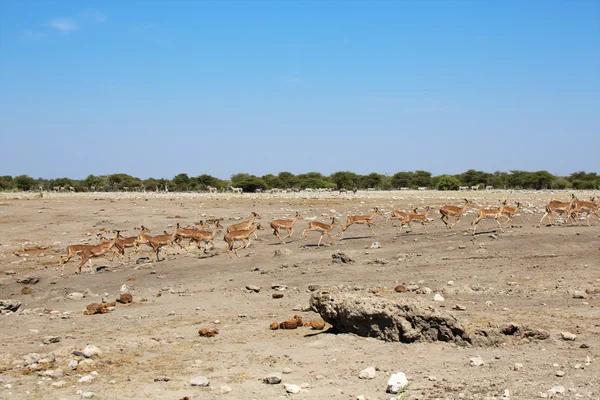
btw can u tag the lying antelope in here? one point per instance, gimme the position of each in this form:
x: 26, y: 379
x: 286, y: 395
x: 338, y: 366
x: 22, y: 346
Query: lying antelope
x: 320, y: 227
x: 396, y: 214
x: 454, y: 211
x: 242, y: 226
x: 288, y: 225
x: 206, y: 236
x: 485, y: 213
x: 557, y: 207
x: 94, y: 251
x: 361, y: 219
x: 509, y: 212
x: 580, y: 206
x: 243, y: 235
x: 413, y: 216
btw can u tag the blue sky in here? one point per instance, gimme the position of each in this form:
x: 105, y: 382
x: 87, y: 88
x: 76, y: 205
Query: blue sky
x: 156, y: 88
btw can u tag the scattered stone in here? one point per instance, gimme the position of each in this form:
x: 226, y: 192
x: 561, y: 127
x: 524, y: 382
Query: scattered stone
x: 560, y: 373
x: 59, y: 384
x: 459, y: 307
x: 272, y: 379
x: 98, y: 308
x: 317, y: 324
x: 73, y: 364
x: 287, y: 370
x: 518, y: 367
x: 253, y: 288
x: 161, y: 378
x: 341, y: 257
x: 379, y: 261
x: 274, y: 326
x: 400, y: 289
x: 282, y: 253
x: 225, y: 389
x: 568, y: 336
x: 86, y: 378
x: 556, y: 390
x: 125, y: 298
x: 32, y: 358
x: 277, y: 295
x: 396, y: 383
x: 51, y: 339
x: 314, y: 288
x: 91, y: 351
x: 200, y: 381
x: 367, y: 373
x: 291, y: 388
x: 75, y: 296
x: 580, y: 294
x: 30, y: 280
x: 450, y: 283
x: 375, y: 245
x: 584, y: 346
x: 438, y: 297
x: 462, y: 246
x: 26, y: 290
x: 476, y: 362
x: 279, y: 287
x: 205, y: 332
x: 9, y: 305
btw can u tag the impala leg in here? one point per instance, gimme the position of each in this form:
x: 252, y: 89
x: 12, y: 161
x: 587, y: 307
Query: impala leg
x: 371, y: 228
x: 499, y: 224
x: 543, y: 216
x: 330, y: 238
x: 320, y: 238
x: 290, y: 233
x: 424, y: 227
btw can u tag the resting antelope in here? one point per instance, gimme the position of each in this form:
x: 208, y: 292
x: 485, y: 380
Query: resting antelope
x: 493, y: 213
x: 242, y: 226
x: 320, y: 227
x: 396, y: 214
x: 206, y: 236
x: 288, y: 225
x: 557, y: 207
x: 413, y: 216
x: 583, y: 206
x: 509, y: 212
x: 243, y: 235
x: 454, y: 211
x: 94, y: 251
x: 361, y: 219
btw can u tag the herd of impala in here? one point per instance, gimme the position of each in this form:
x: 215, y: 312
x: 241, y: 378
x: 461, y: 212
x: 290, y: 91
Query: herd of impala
x: 244, y: 230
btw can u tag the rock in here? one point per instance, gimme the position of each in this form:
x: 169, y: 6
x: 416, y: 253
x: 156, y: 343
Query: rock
x: 580, y: 294
x: 98, y: 308
x: 375, y: 245
x: 125, y: 298
x: 274, y: 326
x: 317, y: 324
x: 560, y: 373
x: 367, y: 373
x: 75, y: 296
x: 476, y: 362
x: 400, y: 289
x: 30, y: 280
x: 450, y: 283
x: 32, y: 358
x: 59, y: 384
x: 459, y: 307
x: 518, y: 367
x: 26, y: 290
x: 86, y: 378
x: 396, y: 383
x: 253, y: 288
x: 200, y: 381
x: 397, y: 319
x: 314, y: 288
x: 277, y: 295
x: 272, y: 379
x: 205, y: 332
x: 51, y: 339
x: 91, y: 351
x: 225, y: 389
x: 161, y: 378
x: 438, y: 297
x: 291, y: 388
x: 87, y: 395
x: 73, y: 364
x: 568, y: 336
x: 124, y: 288
x: 279, y: 287
x: 9, y: 305
x: 556, y: 390
x: 287, y: 370
x: 585, y: 346
x: 341, y: 257
x: 282, y: 253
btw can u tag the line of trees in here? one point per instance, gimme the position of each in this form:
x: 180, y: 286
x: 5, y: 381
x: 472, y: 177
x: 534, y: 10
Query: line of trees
x: 286, y: 180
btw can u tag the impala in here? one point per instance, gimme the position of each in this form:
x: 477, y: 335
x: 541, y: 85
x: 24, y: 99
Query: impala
x: 509, y: 212
x: 557, y: 207
x: 320, y: 227
x: 158, y: 241
x: 493, y: 213
x: 243, y: 235
x: 580, y: 206
x: 396, y: 214
x: 242, y: 226
x: 188, y: 233
x: 75, y: 249
x: 287, y: 224
x: 361, y: 219
x: 94, y: 251
x: 454, y: 211
x: 413, y: 216
x: 206, y: 236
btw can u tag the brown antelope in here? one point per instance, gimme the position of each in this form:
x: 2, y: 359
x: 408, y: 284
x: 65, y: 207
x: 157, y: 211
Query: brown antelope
x: 242, y: 226
x: 288, y: 225
x: 493, y: 213
x: 557, y: 207
x: 413, y: 216
x: 206, y: 236
x: 580, y: 206
x: 361, y: 219
x: 188, y: 233
x: 94, y: 251
x: 396, y: 214
x: 320, y: 227
x: 509, y: 212
x: 243, y: 235
x: 75, y: 249
x: 158, y: 241
x: 454, y: 211
x: 122, y: 243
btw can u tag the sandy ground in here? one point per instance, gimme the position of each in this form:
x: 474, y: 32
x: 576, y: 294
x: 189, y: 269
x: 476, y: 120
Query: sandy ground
x: 526, y: 275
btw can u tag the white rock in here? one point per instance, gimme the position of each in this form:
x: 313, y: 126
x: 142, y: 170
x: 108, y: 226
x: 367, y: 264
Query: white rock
x: 476, y: 362
x: 438, y: 297
x: 199, y: 381
x: 75, y: 296
x: 124, y: 289
x: 375, y: 245
x: 59, y: 384
x: 85, y: 379
x: 225, y: 389
x: 73, y: 364
x: 367, y: 373
x: 568, y: 336
x: 87, y: 395
x: 560, y: 373
x: 272, y: 379
x: 287, y: 370
x: 450, y: 283
x: 291, y: 388
x: 556, y: 389
x: 397, y: 382
x: 91, y: 351
x: 518, y: 366
x: 32, y: 358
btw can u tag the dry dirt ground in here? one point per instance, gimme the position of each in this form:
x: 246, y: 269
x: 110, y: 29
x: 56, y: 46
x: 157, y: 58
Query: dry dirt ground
x: 526, y: 275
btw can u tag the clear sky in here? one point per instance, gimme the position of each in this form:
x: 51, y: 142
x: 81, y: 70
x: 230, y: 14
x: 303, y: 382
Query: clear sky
x: 157, y: 88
